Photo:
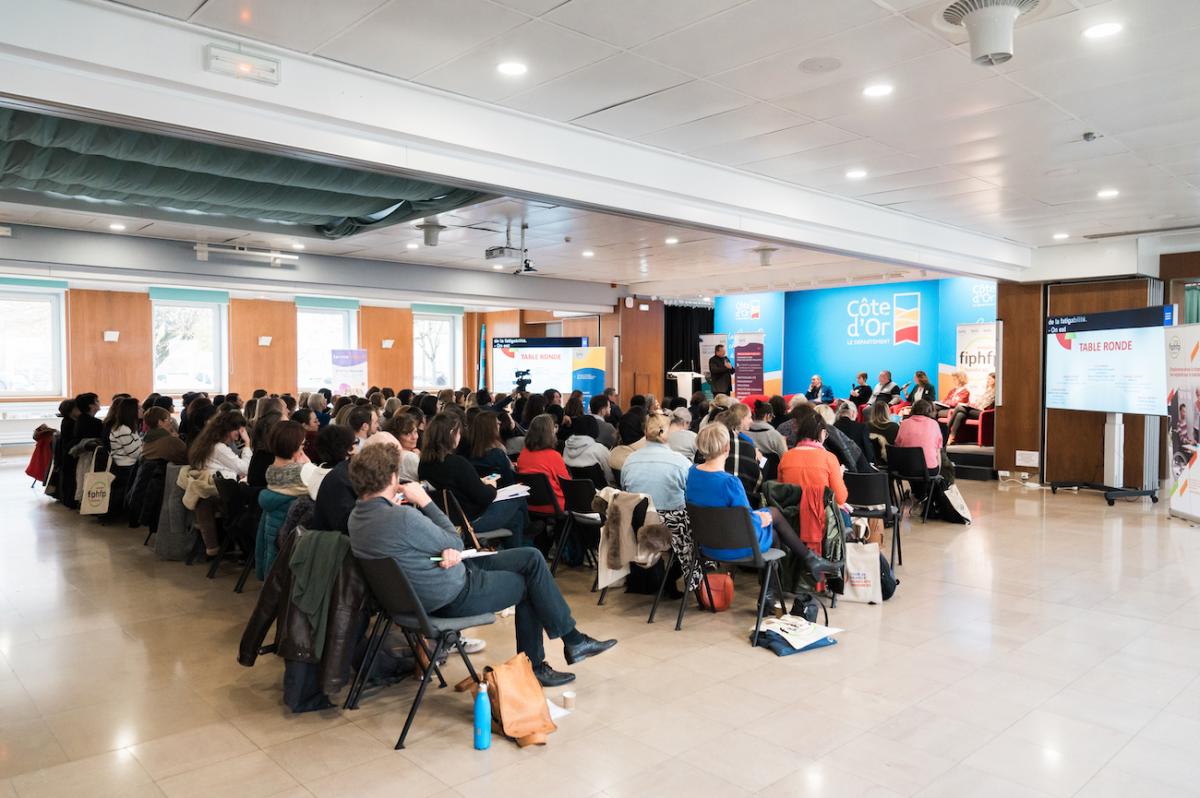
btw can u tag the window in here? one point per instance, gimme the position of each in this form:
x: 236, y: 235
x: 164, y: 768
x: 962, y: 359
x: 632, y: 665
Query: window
x: 31, y: 343
x: 189, y: 347
x: 318, y: 331
x: 437, y: 355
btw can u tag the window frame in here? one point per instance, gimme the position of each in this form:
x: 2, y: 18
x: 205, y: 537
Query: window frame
x: 56, y: 298
x: 349, y: 329
x: 456, y: 345
x: 220, y: 346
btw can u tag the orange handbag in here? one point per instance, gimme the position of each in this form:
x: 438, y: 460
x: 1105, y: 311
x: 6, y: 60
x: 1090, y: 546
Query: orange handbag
x: 721, y: 586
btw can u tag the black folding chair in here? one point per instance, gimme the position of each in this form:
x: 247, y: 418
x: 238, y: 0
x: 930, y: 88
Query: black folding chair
x: 448, y: 504
x: 580, y: 515
x: 870, y: 496
x: 400, y: 606
x: 907, y: 464
x: 541, y: 494
x: 232, y: 505
x: 770, y: 469
x: 593, y: 473
x: 731, y: 528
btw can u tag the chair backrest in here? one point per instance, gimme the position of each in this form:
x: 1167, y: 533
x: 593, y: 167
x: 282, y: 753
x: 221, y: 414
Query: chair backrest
x: 540, y: 492
x: 864, y: 490
x: 578, y: 494
x: 447, y: 502
x: 593, y: 472
x: 229, y: 496
x: 908, y: 462
x: 391, y: 588
x: 770, y: 469
x: 724, y: 528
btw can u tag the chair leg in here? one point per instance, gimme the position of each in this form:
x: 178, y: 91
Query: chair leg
x: 603, y: 594
x: 462, y: 652
x: 596, y: 581
x: 928, y: 503
x: 246, y: 569
x: 226, y: 545
x: 368, y: 661
x: 762, y: 602
x: 779, y: 585
x: 661, y: 586
x: 683, y: 602
x: 197, y: 548
x: 432, y: 659
x: 712, y: 604
x: 567, y: 529
x: 412, y: 713
x: 149, y: 534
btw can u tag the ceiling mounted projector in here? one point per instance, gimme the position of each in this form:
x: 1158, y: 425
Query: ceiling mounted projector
x: 990, y: 25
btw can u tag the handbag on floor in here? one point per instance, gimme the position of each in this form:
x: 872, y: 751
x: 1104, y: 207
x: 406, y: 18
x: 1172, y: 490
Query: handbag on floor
x: 721, y: 586
x: 518, y: 704
x: 97, y: 488
x: 862, y: 573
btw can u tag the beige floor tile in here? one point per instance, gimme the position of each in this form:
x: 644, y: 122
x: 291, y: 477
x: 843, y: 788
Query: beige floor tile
x: 313, y: 756
x: 754, y: 761
x: 386, y: 777
x: 962, y: 780
x: 672, y: 730
x: 115, y: 774
x: 177, y: 753
x: 934, y: 734
x: 27, y: 746
x: 823, y: 780
x: 1113, y: 783
x: 531, y: 776
x: 900, y: 766
x: 251, y: 775
x: 107, y: 727
x: 1040, y: 767
x: 676, y: 779
x: 268, y: 727
x: 1175, y: 765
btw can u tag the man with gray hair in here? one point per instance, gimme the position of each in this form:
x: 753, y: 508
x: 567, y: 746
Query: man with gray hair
x: 320, y: 407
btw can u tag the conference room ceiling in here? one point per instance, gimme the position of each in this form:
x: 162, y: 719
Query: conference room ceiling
x: 994, y: 150
x: 624, y: 250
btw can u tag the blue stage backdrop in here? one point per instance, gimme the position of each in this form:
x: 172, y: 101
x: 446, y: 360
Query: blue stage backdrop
x: 756, y: 313
x: 838, y: 332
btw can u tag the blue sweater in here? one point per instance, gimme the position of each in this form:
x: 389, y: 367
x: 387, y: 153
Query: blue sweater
x: 722, y: 489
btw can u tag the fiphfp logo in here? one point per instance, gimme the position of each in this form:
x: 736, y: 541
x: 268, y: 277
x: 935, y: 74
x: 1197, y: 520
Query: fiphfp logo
x: 906, y: 318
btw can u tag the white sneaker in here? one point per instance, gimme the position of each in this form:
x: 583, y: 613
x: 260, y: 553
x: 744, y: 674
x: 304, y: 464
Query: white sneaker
x: 473, y: 645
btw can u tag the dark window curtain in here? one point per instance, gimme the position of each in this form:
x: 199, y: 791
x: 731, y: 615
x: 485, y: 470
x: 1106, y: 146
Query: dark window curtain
x: 683, y: 327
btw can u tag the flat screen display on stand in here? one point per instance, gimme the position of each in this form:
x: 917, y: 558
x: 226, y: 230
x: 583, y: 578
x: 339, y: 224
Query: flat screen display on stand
x: 1113, y: 362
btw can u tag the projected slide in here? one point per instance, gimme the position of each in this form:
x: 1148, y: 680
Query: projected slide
x: 563, y: 368
x: 1108, y: 362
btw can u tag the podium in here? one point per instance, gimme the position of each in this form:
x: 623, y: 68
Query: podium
x: 683, y: 383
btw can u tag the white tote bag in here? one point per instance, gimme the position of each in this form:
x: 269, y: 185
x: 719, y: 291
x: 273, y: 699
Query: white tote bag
x: 97, y: 488
x: 862, y: 573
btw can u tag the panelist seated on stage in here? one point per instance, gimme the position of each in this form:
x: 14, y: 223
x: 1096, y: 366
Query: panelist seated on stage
x: 818, y: 392
x: 860, y: 391
x: 885, y: 389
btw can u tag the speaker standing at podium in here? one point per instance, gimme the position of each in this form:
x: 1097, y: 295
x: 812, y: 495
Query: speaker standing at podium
x: 720, y: 372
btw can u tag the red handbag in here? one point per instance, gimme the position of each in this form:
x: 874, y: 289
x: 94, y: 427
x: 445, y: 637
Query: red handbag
x: 722, y: 592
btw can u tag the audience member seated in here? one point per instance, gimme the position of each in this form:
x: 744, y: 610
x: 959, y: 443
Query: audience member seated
x: 124, y: 441
x: 600, y: 409
x: 813, y: 468
x: 961, y: 395
x: 630, y: 432
x: 710, y: 485
x: 973, y: 410
x: 269, y: 413
x: 847, y: 451
x: 446, y: 470
x: 401, y: 522
x: 788, y: 428
x: 540, y: 456
x: 655, y: 469
x: 885, y: 389
x: 554, y: 405
x: 535, y: 405
x: 698, y: 407
x: 847, y: 423
x: 743, y: 461
x: 487, y: 448
x: 335, y: 498
x: 406, y: 428
x: 614, y: 406
x: 363, y: 422
x: 766, y: 438
x: 779, y: 410
x: 88, y: 430
x: 922, y: 430
x: 161, y: 441
x: 583, y: 450
x: 291, y: 473
x: 308, y: 420
x: 860, y: 392
x: 681, y: 438
x: 213, y: 451
x: 922, y: 388
x: 574, y: 409
x: 818, y: 392
x: 880, y: 422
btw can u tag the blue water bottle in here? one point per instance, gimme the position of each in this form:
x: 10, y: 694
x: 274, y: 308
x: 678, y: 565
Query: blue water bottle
x: 483, y: 718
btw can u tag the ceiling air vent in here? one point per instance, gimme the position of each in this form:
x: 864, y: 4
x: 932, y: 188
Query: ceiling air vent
x: 990, y: 25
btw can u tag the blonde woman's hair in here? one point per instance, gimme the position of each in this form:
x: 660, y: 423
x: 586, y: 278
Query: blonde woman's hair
x: 656, y: 428
x: 734, y: 416
x: 826, y: 413
x: 961, y: 376
x: 712, y: 440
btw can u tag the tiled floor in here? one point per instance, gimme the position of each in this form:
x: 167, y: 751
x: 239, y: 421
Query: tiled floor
x: 1052, y: 648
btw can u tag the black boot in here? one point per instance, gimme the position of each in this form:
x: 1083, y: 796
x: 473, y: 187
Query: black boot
x: 816, y: 565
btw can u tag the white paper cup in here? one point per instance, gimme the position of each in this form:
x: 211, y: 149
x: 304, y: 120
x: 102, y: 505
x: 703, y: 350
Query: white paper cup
x: 568, y: 699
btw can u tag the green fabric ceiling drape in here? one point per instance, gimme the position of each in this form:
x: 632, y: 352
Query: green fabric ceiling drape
x: 82, y: 162
x: 1191, y: 303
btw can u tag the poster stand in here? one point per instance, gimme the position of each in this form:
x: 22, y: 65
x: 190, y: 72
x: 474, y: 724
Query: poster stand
x: 1114, y: 466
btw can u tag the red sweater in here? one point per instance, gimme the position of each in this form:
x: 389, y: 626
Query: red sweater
x: 550, y: 463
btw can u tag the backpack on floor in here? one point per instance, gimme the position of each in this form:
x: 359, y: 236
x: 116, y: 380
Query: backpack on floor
x: 887, y: 578
x: 722, y: 592
x: 949, y: 505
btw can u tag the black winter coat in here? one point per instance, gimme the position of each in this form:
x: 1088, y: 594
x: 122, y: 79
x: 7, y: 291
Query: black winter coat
x: 143, y: 501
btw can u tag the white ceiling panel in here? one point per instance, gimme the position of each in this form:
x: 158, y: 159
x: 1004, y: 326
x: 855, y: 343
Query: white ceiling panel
x: 882, y: 174
x: 547, y: 50
x: 927, y: 192
x: 740, y: 123
x: 756, y: 29
x: 534, y: 7
x: 180, y: 9
x: 674, y: 106
x: 407, y: 37
x: 857, y: 152
x: 296, y: 24
x: 619, y: 79
x: 810, y: 136
x: 875, y: 46
x: 628, y: 23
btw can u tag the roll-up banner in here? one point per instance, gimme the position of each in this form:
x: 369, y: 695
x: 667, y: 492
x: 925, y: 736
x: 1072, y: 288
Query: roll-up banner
x: 708, y: 346
x: 748, y: 360
x: 1183, y: 415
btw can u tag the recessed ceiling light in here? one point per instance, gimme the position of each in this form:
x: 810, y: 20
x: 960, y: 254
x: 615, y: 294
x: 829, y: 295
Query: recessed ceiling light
x: 117, y: 226
x: 587, y: 253
x: 497, y: 266
x: 511, y: 68
x: 1107, y: 193
x: 1103, y: 30
x: 671, y: 240
x: 412, y: 245
x: 878, y: 90
x: 856, y: 174
x: 297, y: 246
x: 1061, y: 236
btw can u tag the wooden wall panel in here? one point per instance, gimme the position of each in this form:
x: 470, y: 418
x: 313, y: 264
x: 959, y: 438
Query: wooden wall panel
x: 471, y: 322
x: 1019, y: 420
x: 108, y: 368
x: 1075, y: 438
x: 252, y: 366
x: 641, y: 366
x: 387, y: 367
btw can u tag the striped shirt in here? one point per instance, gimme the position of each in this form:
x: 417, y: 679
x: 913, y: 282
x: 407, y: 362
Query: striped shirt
x: 125, y: 446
